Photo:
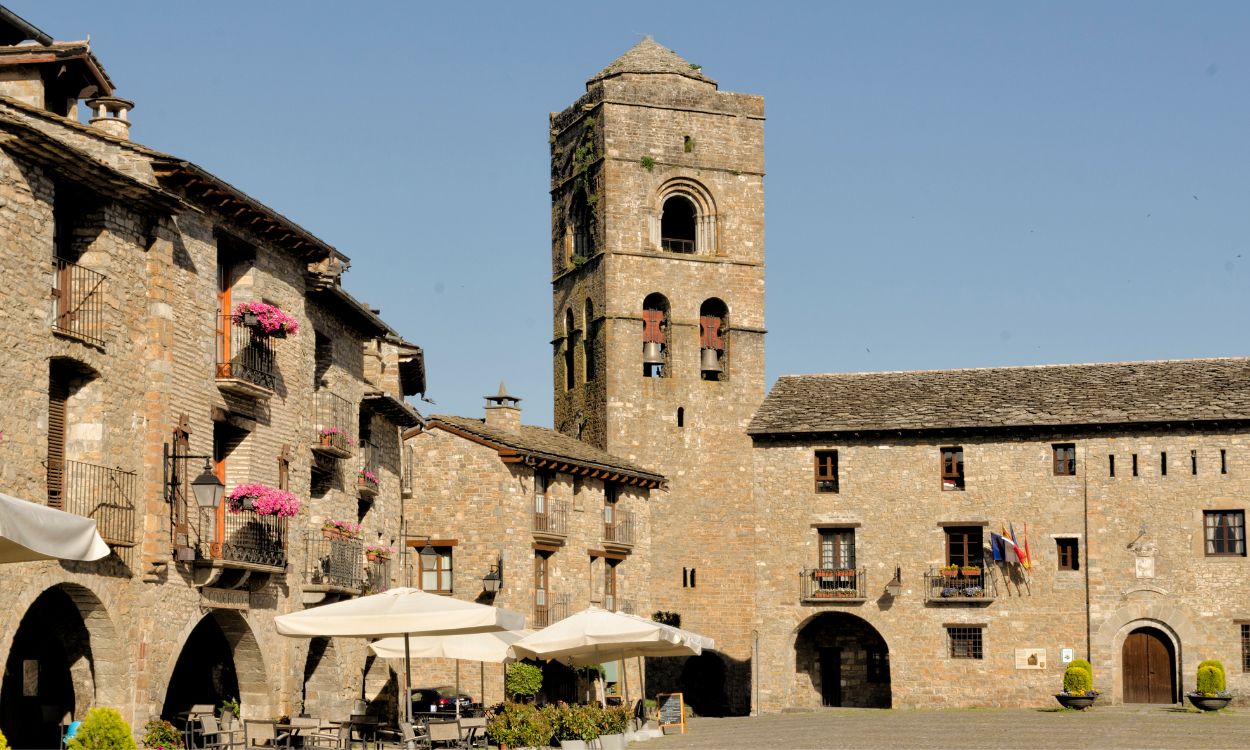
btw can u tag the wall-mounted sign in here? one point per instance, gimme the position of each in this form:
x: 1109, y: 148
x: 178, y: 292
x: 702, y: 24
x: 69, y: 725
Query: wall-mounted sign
x: 1030, y: 658
x: 1065, y: 655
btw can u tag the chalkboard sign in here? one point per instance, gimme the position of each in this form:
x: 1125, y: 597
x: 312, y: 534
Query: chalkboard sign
x: 672, y: 709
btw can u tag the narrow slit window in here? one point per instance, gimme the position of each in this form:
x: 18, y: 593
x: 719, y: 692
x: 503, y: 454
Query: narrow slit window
x: 1223, y: 461
x: 1111, y: 466
x: 1163, y: 463
x: 1193, y: 463
x: 681, y: 416
x: 1134, y: 464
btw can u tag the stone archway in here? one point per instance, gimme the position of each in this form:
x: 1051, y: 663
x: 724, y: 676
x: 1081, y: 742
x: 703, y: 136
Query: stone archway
x: 703, y: 684
x: 62, y: 659
x: 219, y: 658
x: 1107, y: 642
x: 841, y: 660
x: 1148, y: 667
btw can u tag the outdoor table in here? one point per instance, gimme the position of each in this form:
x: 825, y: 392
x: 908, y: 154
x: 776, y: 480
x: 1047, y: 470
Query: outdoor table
x: 293, y: 727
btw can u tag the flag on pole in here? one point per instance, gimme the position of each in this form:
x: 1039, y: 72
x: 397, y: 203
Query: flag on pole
x: 1021, y: 552
x: 996, y: 547
x: 1010, y: 553
x: 1027, y: 555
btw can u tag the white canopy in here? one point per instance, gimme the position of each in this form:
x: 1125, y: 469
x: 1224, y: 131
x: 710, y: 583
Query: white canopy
x: 36, y: 532
x: 491, y: 647
x: 596, y: 635
x: 399, y: 611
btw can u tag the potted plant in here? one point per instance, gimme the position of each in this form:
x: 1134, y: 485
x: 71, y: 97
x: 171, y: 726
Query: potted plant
x: 613, y: 721
x: 328, y: 436
x: 262, y: 500
x: 332, y: 528
x: 229, y: 712
x: 822, y: 573
x: 158, y: 733
x: 1078, y: 687
x: 844, y: 573
x: 523, y: 680
x: 264, y: 319
x: 949, y: 571
x: 378, y: 552
x: 970, y: 571
x: 518, y: 725
x: 1210, y: 694
x: 102, y: 728
x: 367, y: 482
x: 575, y: 727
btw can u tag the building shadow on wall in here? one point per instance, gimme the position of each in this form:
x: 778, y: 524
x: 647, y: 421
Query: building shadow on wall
x: 711, y: 683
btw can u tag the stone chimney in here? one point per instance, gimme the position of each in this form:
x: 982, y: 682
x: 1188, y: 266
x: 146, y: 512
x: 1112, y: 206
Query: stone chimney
x: 503, y: 411
x: 108, y: 114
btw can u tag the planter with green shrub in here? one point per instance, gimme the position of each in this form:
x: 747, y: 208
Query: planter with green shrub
x: 1078, y: 686
x: 1210, y: 693
x: 158, y: 733
x: 518, y: 725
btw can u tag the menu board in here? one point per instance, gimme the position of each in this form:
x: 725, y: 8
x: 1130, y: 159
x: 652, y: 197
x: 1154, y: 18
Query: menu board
x: 672, y: 708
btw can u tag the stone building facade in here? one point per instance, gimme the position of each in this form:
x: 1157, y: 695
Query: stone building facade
x: 565, y: 526
x: 807, y: 531
x: 127, y: 373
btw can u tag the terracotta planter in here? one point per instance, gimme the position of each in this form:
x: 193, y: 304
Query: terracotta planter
x: 845, y: 574
x: 1207, y: 704
x: 333, y: 534
x: 375, y: 557
x: 327, y: 441
x: 948, y: 573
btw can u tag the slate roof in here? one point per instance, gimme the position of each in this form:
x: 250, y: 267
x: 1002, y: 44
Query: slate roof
x: 541, y: 443
x: 649, y: 57
x: 1119, y: 393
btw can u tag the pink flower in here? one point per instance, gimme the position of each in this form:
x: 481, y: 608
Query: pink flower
x: 266, y: 500
x: 270, y: 317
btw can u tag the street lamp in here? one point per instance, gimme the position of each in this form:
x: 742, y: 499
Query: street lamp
x: 492, y: 583
x: 207, y: 488
x: 895, y: 586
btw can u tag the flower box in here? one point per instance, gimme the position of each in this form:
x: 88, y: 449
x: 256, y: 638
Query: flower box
x: 264, y: 319
x: 262, y: 500
x: 844, y: 573
x: 949, y: 572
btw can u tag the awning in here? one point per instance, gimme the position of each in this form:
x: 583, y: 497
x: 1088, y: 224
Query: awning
x: 29, y: 531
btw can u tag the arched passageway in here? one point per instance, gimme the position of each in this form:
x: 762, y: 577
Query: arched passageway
x: 703, y: 684
x: 220, y: 659
x: 39, y: 675
x: 845, y: 662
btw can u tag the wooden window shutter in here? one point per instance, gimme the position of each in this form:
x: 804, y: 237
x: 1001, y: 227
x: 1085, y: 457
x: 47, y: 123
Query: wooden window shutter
x: 58, y: 395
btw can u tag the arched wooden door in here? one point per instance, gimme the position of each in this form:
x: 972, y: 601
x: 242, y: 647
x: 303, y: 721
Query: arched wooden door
x: 1149, y: 664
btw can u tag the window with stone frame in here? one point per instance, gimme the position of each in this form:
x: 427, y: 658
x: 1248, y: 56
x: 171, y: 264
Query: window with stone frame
x: 1068, y: 553
x: 1064, y: 459
x: 1224, y: 533
x: 436, y: 573
x: 965, y: 641
x: 837, y: 549
x: 964, y: 545
x: 953, y: 468
x: 826, y: 471
x: 1245, y: 646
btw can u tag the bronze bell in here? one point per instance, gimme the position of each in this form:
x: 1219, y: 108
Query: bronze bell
x: 651, y: 353
x: 710, y: 361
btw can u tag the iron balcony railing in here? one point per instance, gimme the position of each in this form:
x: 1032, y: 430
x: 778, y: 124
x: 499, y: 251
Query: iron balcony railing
x: 335, y: 562
x: 332, y: 424
x: 832, y: 584
x: 378, y: 575
x: 369, y: 454
x: 959, y: 586
x: 621, y: 532
x: 244, y: 355
x: 97, y: 492
x: 549, y: 608
x: 248, y: 537
x: 554, y: 518
x: 79, y: 294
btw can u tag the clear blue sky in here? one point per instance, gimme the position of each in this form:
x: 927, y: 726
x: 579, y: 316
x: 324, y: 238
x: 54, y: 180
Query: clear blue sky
x: 949, y: 184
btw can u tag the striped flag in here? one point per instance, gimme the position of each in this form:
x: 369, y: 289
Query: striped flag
x: 1021, y: 552
x: 1010, y: 553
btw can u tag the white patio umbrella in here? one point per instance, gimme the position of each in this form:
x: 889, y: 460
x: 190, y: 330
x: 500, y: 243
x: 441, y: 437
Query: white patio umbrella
x: 479, y: 647
x: 36, y: 532
x: 403, y: 612
x: 596, y: 635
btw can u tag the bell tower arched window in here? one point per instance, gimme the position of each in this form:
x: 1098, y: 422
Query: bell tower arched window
x: 588, y: 340
x: 655, y: 349
x: 677, y: 225
x: 583, y: 237
x: 713, y: 340
x: 570, y: 350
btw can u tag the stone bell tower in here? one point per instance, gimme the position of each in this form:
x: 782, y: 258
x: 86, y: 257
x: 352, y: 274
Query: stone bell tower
x: 657, y: 215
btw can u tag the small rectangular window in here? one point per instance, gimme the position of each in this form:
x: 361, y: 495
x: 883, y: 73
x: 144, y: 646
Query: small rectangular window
x: 826, y: 471
x: 1163, y: 463
x: 1193, y: 462
x: 1134, y: 464
x: 1064, y: 459
x: 965, y: 643
x: 1069, y: 554
x: 1111, y: 465
x: 953, y: 468
x: 1245, y: 646
x: 1225, y: 532
x: 837, y: 549
x: 1223, y: 461
x: 436, y: 572
x: 964, y: 545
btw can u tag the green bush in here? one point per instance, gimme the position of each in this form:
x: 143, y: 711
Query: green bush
x: 1077, y: 681
x: 1210, y: 681
x: 1218, y: 666
x: 523, y: 680
x: 103, y: 729
x: 614, y: 720
x: 231, y: 705
x: 1083, y: 665
x: 160, y: 733
x: 519, y: 725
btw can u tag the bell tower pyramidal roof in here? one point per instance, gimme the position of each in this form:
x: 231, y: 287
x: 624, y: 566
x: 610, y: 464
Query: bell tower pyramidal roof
x: 651, y: 58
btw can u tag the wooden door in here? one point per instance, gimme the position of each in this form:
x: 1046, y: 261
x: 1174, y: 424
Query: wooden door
x: 1149, y: 668
x: 831, y: 676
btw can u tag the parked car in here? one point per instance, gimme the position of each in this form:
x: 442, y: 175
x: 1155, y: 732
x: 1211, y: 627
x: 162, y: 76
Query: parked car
x: 439, y: 700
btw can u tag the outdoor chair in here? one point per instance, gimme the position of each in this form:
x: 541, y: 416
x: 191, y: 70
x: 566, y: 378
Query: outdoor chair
x: 365, y: 726
x: 339, y: 737
x: 407, y: 738
x: 473, y: 731
x: 214, y: 737
x: 258, y: 733
x: 445, y: 734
